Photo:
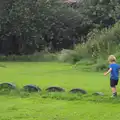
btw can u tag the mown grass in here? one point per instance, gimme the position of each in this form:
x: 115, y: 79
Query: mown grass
x: 56, y: 106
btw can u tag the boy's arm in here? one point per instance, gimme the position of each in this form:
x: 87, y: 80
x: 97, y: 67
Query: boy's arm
x: 119, y: 67
x: 110, y: 69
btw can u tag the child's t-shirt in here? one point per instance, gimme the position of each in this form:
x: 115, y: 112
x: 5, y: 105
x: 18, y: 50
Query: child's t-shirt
x: 114, y: 75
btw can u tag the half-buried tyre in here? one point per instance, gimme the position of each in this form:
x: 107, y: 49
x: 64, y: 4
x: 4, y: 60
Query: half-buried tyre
x: 55, y: 89
x: 7, y: 86
x: 31, y: 88
x: 98, y: 94
x: 78, y: 90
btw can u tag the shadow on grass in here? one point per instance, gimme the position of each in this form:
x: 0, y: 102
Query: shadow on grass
x: 103, y: 99
x: 62, y: 96
x: 77, y: 97
x: 3, y: 66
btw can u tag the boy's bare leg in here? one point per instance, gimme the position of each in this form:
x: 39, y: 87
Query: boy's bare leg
x: 114, y: 91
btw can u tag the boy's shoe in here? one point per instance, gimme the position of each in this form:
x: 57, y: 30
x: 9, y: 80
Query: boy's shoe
x: 114, y: 95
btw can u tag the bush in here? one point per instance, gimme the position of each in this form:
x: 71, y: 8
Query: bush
x: 91, y: 65
x: 100, y: 44
x: 67, y: 56
x: 100, y: 65
x: 85, y: 62
x: 106, y: 42
x: 37, y: 57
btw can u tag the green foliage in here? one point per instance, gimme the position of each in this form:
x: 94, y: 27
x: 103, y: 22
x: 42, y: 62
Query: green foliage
x: 37, y: 57
x: 43, y: 23
x: 68, y: 56
x: 99, y: 46
x: 91, y: 65
x: 106, y: 42
x: 97, y: 11
x: 48, y: 24
x: 38, y: 24
x: 85, y: 62
x: 101, y: 65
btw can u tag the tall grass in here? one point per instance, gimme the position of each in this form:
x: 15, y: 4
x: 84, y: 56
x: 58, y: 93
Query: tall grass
x: 99, y: 45
x: 102, y: 43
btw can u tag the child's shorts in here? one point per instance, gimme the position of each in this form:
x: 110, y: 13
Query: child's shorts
x: 113, y: 83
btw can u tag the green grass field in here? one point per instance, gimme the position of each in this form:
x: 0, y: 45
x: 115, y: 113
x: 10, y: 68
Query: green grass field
x: 56, y: 106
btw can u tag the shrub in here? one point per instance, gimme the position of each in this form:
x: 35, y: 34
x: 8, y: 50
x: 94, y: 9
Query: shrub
x: 67, y: 56
x: 37, y: 57
x: 99, y: 67
x: 106, y: 42
x: 100, y: 44
x: 85, y: 62
x: 90, y: 65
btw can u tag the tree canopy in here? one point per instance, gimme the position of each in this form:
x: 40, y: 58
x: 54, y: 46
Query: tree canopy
x: 27, y: 26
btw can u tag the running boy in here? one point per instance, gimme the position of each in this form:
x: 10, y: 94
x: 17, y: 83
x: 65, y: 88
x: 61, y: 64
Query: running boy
x: 114, y: 74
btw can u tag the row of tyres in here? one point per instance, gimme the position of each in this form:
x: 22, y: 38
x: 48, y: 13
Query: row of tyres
x: 33, y: 88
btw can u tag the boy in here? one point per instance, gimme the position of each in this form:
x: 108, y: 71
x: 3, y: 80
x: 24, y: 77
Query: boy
x: 114, y: 74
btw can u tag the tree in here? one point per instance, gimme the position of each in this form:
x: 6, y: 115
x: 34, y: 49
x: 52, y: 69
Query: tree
x: 37, y: 24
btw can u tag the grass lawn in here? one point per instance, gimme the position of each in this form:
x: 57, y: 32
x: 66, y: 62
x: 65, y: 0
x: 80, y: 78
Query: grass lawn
x: 56, y: 106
